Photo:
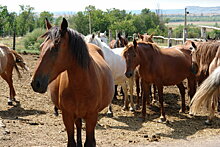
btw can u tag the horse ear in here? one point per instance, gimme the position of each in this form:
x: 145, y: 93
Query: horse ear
x: 135, y: 43
x: 93, y: 36
x: 194, y: 45
x: 48, y: 25
x: 126, y: 36
x: 152, y: 35
x: 119, y: 35
x: 98, y: 34
x: 140, y: 36
x: 64, y: 25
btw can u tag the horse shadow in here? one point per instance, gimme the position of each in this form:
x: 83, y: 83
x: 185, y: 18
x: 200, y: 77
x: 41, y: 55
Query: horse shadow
x: 181, y: 129
x: 16, y: 112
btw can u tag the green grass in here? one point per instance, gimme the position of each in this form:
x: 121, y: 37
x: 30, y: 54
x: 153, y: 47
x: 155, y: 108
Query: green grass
x: 19, y: 47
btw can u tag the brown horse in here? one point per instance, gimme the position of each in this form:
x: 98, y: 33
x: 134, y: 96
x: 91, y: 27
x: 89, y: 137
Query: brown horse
x: 146, y: 37
x: 206, y: 57
x: 79, y: 80
x: 10, y: 59
x: 119, y: 42
x: 163, y: 67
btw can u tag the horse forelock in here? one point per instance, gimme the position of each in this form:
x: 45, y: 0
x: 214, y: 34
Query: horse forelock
x: 76, y: 43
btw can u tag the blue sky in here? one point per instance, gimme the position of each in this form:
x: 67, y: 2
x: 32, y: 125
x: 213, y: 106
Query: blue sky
x: 79, y: 5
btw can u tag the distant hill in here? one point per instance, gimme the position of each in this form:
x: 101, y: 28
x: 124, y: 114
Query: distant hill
x: 192, y: 10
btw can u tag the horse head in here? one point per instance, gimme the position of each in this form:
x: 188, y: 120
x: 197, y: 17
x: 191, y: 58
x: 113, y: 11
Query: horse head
x: 51, y: 56
x: 146, y: 37
x: 131, y: 57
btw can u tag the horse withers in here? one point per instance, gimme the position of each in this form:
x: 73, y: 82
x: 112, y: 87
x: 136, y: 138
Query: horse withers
x: 10, y: 59
x: 163, y: 67
x: 78, y: 79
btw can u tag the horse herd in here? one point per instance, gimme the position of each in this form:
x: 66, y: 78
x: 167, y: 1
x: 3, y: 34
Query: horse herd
x: 80, y: 73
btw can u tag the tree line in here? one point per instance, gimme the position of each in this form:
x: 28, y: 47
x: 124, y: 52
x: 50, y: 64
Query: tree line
x: 111, y: 19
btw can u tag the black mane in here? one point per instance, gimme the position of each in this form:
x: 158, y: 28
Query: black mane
x: 77, y: 45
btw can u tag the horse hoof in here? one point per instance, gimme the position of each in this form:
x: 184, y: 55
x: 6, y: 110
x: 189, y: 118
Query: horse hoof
x: 125, y: 108
x: 10, y: 103
x: 162, y: 120
x: 56, y: 113
x: 109, y: 114
x: 132, y: 109
x: 208, y: 122
x: 182, y: 111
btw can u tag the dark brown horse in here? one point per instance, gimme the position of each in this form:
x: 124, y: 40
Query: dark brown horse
x: 163, y: 67
x: 10, y: 59
x: 79, y: 80
x: 119, y: 42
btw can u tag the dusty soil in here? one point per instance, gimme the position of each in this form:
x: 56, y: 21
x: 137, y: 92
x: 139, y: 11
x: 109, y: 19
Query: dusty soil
x: 32, y: 123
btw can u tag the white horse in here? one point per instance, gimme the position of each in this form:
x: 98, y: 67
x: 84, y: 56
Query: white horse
x: 103, y: 37
x: 117, y: 64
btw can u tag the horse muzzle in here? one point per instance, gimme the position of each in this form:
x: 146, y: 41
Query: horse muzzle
x: 39, y: 84
x: 129, y: 74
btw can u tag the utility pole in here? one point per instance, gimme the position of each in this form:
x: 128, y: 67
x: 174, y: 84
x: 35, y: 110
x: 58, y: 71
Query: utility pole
x: 185, y: 29
x: 90, y: 28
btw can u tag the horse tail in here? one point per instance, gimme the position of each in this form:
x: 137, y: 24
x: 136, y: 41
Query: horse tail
x: 19, y: 61
x: 204, y: 97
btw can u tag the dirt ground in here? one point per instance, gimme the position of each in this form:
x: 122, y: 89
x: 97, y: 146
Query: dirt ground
x: 32, y: 123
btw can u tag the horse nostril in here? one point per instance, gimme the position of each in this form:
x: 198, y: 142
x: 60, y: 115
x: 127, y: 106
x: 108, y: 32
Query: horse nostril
x: 37, y: 84
x: 128, y: 74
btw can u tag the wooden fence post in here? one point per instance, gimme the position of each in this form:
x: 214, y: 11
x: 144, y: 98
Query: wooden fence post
x: 169, y: 41
x: 203, y: 32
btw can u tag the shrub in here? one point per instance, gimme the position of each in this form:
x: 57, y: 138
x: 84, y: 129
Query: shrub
x: 32, y: 40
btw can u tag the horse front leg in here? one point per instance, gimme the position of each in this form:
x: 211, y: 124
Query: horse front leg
x: 145, y: 96
x: 126, y: 102
x: 131, y: 85
x: 79, y: 132
x: 68, y: 121
x: 91, y: 121
x: 137, y: 82
x: 8, y: 79
x: 182, y: 93
x: 162, y: 112
x: 110, y: 113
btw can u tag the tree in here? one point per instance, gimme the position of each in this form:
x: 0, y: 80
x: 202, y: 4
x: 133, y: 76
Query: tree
x: 43, y: 16
x: 26, y: 20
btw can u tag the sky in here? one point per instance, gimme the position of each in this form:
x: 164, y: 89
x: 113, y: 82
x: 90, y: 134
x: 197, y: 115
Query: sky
x: 79, y: 5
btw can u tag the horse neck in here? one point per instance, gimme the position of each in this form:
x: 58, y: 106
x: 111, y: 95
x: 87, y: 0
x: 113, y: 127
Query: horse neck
x: 147, y: 54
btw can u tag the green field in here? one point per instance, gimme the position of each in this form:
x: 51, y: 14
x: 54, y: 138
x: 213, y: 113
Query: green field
x: 196, y: 23
x: 8, y: 41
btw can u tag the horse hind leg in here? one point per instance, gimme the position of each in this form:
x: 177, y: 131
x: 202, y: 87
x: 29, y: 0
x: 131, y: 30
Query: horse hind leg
x: 182, y: 93
x: 8, y: 79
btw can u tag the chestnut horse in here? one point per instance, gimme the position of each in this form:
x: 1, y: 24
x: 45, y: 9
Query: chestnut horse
x: 206, y: 57
x: 119, y: 42
x: 146, y: 38
x: 79, y: 80
x: 10, y: 59
x: 158, y: 66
